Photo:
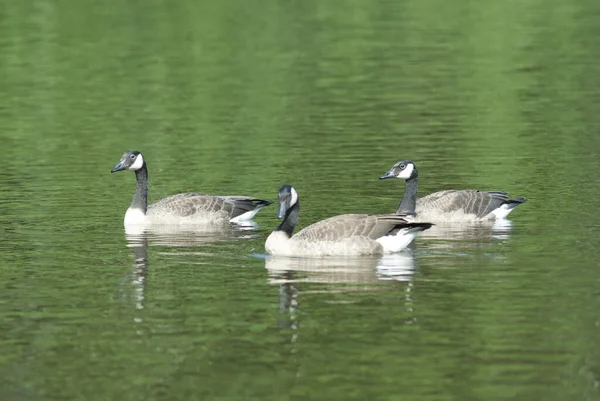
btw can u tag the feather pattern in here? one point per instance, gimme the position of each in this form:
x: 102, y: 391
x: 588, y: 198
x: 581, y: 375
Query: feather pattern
x: 343, y: 226
x: 477, y: 203
x: 193, y: 203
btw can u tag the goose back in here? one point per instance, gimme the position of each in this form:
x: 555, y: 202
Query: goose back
x: 204, y: 207
x: 477, y: 203
x: 344, y: 226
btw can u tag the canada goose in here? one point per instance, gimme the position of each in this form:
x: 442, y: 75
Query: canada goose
x: 346, y: 234
x: 450, y: 205
x: 185, y: 208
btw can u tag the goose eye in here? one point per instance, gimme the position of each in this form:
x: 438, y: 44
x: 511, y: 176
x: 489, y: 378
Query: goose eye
x: 132, y: 157
x: 402, y: 166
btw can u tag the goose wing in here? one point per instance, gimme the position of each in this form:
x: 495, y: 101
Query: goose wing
x: 479, y: 203
x: 188, y: 204
x: 243, y: 204
x: 345, y: 226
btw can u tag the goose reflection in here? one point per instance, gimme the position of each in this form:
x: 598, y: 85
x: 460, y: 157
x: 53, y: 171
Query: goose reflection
x: 453, y: 235
x: 171, y: 240
x: 188, y: 236
x: 363, y: 270
x: 293, y: 276
x: 139, y: 246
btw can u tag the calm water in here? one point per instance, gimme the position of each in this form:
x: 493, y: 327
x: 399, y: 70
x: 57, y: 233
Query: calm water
x: 243, y: 96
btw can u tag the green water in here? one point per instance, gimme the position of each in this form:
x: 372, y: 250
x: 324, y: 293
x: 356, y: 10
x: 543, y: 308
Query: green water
x: 239, y: 97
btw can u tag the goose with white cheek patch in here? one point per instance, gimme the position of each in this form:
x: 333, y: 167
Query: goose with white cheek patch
x: 450, y: 205
x: 343, y: 235
x: 186, y: 208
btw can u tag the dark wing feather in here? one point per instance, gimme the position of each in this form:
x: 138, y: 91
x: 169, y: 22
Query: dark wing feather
x: 243, y: 204
x: 349, y: 225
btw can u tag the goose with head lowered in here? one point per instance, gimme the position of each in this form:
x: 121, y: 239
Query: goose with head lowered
x: 186, y: 208
x: 343, y: 235
x: 450, y: 205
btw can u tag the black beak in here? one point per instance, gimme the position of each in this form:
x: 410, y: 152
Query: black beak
x: 118, y: 167
x: 389, y: 174
x: 282, y: 210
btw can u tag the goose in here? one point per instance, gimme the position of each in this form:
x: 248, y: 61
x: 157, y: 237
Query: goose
x: 449, y: 205
x: 184, y: 208
x: 346, y: 234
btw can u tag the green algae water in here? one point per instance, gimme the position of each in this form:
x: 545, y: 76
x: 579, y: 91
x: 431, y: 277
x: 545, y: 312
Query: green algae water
x: 240, y: 97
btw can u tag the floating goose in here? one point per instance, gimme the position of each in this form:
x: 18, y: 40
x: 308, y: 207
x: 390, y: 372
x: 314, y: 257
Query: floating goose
x: 450, y: 205
x: 347, y: 234
x: 186, y: 208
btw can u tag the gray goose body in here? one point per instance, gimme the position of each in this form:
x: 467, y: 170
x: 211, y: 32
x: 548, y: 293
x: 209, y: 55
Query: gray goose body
x: 450, y: 205
x: 186, y: 208
x: 347, y: 234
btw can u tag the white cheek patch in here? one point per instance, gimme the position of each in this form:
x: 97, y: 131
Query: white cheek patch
x: 294, y: 197
x: 138, y: 163
x: 407, y: 172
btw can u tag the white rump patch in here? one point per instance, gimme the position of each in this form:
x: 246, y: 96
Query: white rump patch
x: 134, y: 216
x: 294, y: 197
x: 245, y: 217
x: 395, y: 243
x: 502, y: 211
x: 407, y: 172
x: 138, y: 163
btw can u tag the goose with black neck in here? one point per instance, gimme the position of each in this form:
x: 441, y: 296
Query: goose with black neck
x: 449, y: 205
x: 342, y: 235
x: 192, y: 208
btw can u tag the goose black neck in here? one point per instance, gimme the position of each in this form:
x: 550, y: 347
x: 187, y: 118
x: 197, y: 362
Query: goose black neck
x: 140, y: 199
x: 289, y: 221
x: 408, y: 204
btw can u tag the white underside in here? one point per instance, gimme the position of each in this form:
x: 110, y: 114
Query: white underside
x: 278, y: 243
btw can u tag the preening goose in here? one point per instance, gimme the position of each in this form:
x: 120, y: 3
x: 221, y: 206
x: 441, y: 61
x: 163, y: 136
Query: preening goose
x: 346, y: 234
x: 185, y: 208
x: 450, y: 205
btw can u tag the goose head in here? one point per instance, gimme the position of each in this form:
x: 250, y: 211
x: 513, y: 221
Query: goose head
x: 404, y: 169
x: 131, y: 160
x: 288, y: 197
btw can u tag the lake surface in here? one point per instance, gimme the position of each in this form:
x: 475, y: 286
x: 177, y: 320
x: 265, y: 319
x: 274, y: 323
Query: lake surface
x: 241, y: 97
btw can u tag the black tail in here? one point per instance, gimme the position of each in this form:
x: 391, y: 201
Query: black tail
x: 513, y: 203
x: 261, y: 202
x: 414, y: 226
